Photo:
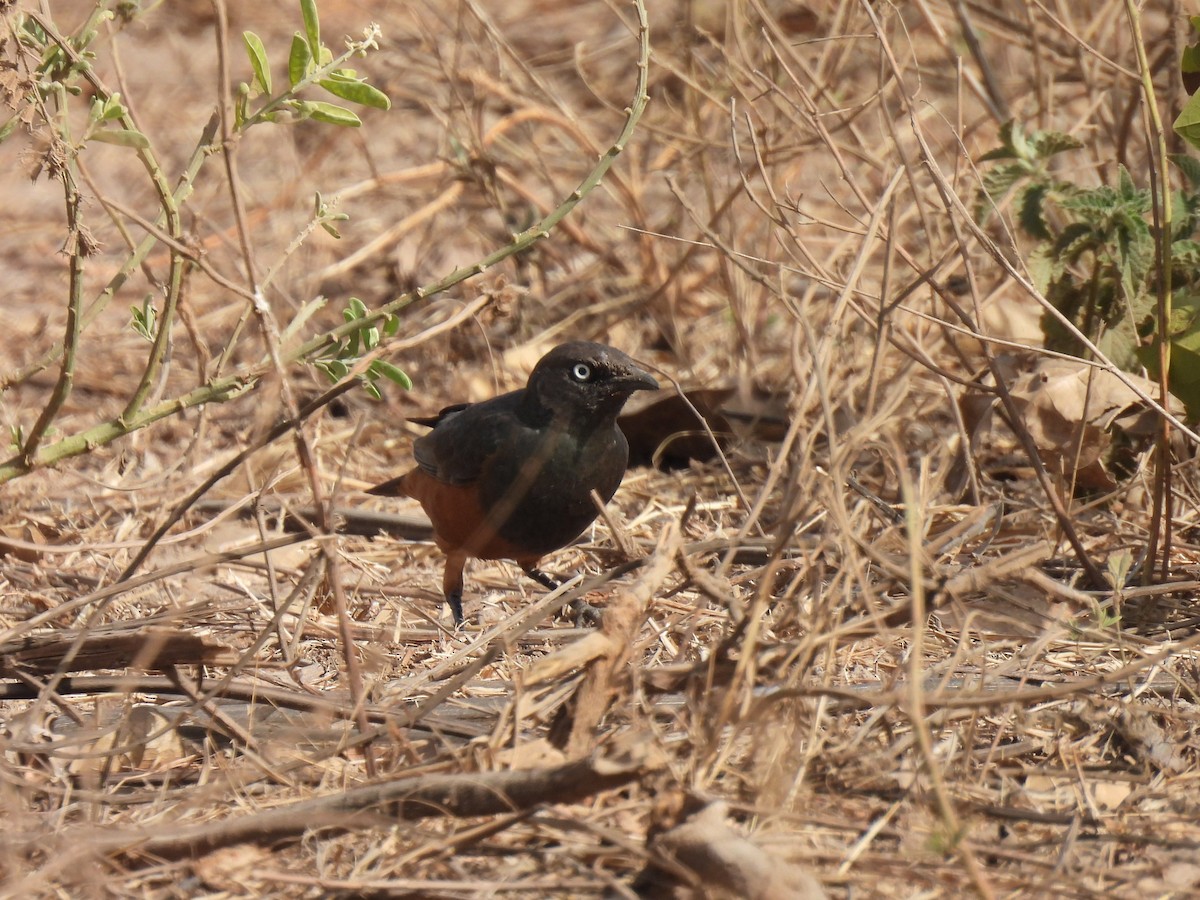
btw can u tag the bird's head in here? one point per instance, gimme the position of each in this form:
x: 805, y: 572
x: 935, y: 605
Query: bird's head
x: 582, y: 379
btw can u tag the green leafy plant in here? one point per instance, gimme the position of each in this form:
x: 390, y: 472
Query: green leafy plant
x: 144, y: 318
x: 1095, y: 255
x: 349, y: 350
x: 1187, y: 123
x: 310, y: 63
x: 45, y: 70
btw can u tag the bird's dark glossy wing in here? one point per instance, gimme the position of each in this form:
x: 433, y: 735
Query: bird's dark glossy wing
x: 464, y: 438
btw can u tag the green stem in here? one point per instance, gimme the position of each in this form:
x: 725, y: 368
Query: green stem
x: 1160, y: 522
x: 170, y: 215
x: 66, y: 373
x: 199, y: 156
x: 219, y: 391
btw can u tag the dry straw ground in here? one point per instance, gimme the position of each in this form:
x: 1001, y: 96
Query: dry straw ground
x: 827, y: 663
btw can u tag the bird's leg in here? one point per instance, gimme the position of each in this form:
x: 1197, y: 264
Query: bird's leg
x: 546, y: 580
x: 454, y: 601
x: 452, y: 584
x: 585, y: 613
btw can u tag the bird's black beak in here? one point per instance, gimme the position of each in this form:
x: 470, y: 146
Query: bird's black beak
x: 635, y: 379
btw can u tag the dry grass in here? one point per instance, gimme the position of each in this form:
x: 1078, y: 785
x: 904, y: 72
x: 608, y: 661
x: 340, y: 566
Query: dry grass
x: 933, y: 703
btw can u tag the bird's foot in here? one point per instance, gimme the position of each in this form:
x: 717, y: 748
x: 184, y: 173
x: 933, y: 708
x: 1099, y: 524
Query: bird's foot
x: 454, y: 601
x: 586, y: 615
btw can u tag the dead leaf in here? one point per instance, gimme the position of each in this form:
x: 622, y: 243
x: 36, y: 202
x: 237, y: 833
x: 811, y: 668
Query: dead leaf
x: 1111, y: 794
x: 1071, y: 411
x: 231, y: 868
x: 723, y: 863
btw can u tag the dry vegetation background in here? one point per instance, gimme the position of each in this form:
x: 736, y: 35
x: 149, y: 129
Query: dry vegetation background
x: 835, y: 669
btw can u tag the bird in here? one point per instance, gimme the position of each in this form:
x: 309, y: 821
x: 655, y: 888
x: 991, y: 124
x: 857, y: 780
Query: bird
x: 512, y: 477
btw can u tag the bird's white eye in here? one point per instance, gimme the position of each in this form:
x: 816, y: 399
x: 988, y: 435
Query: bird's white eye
x: 581, y: 372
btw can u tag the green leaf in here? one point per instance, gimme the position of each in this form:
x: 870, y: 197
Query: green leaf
x: 998, y: 153
x: 999, y: 180
x: 1100, y: 199
x: 240, y: 106
x: 1043, y: 267
x: 1128, y: 191
x: 1184, y: 208
x: 1185, y: 320
x: 123, y: 137
x: 334, y: 368
x: 1120, y: 344
x: 328, y: 112
x: 1020, y: 146
x: 258, y: 61
x: 112, y: 108
x: 1184, y: 379
x: 357, y: 92
x: 8, y: 128
x: 1131, y: 247
x: 144, y: 319
x: 1186, y: 254
x: 392, y: 373
x: 312, y: 26
x: 1187, y: 123
x: 1030, y: 212
x: 298, y: 59
x: 1189, y: 167
x: 333, y: 232
x: 1050, y: 143
x: 356, y: 310
x: 1007, y: 149
x: 96, y: 111
x: 1190, y: 60
x: 1076, y: 239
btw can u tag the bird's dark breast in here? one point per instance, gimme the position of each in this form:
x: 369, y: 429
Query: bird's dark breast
x: 540, y: 495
